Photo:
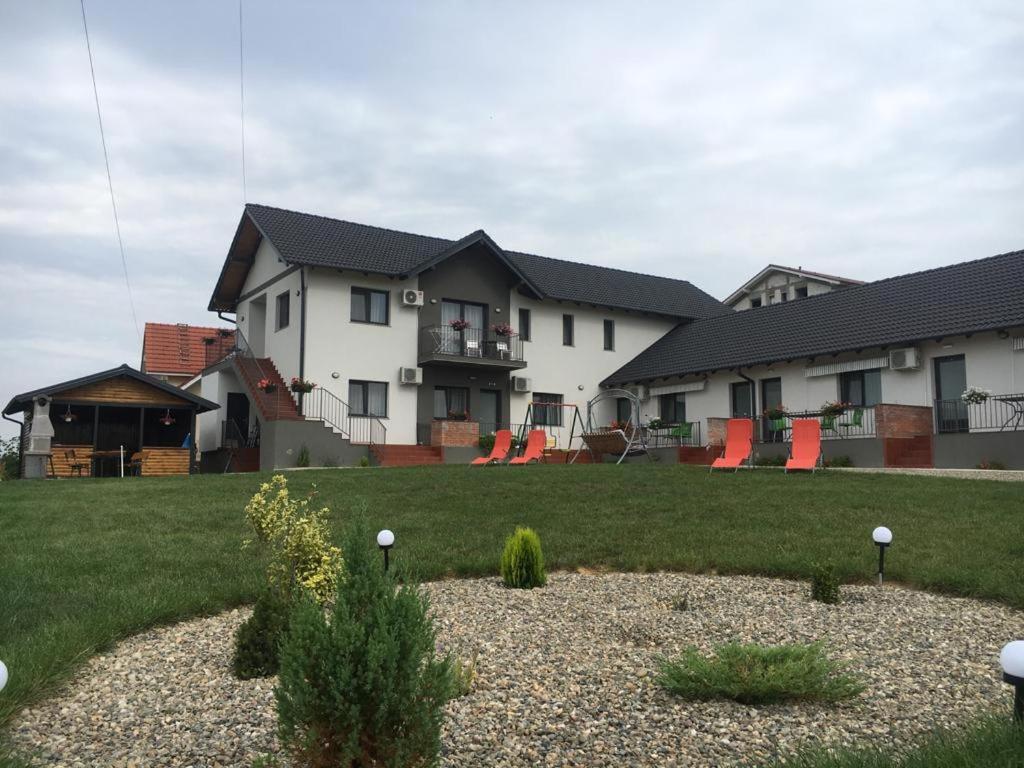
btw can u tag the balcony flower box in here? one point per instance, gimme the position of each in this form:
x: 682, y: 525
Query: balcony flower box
x: 300, y: 385
x: 459, y: 325
x: 267, y: 386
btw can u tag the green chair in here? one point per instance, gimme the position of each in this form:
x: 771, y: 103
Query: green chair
x: 856, y: 421
x: 828, y: 422
x: 683, y: 431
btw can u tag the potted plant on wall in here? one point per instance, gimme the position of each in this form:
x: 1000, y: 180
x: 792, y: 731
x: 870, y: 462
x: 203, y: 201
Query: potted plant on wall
x: 833, y: 408
x: 301, y: 385
x: 975, y: 395
x: 458, y: 415
x: 503, y: 329
x: 266, y: 385
x: 458, y: 324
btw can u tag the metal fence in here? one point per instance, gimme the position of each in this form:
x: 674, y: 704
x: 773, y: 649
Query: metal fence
x: 675, y: 435
x: 323, y: 405
x: 997, y: 413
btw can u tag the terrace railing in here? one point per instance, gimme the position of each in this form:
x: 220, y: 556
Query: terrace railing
x: 856, y: 421
x: 675, y: 435
x: 470, y: 344
x: 998, y: 413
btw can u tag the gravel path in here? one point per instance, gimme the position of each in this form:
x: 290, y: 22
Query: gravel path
x: 565, y: 677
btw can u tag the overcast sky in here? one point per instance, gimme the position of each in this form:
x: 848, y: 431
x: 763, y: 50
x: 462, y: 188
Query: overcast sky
x: 693, y: 140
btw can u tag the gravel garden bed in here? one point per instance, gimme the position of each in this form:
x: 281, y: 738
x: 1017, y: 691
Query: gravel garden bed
x: 565, y: 677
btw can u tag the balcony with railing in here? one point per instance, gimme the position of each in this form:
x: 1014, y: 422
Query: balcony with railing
x: 444, y: 345
x: 995, y: 413
x: 853, y: 422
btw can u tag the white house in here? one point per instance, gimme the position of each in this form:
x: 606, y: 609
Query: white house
x: 366, y: 314
x: 776, y: 284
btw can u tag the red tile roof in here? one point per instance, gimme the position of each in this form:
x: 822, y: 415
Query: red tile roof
x: 177, y: 348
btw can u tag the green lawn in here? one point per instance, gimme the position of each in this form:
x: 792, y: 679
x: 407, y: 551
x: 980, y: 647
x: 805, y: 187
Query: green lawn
x: 85, y: 562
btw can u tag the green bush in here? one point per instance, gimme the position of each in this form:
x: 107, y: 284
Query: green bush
x: 991, y: 464
x: 361, y: 685
x: 258, y: 639
x: 463, y: 677
x: 9, y: 452
x: 754, y: 674
x: 770, y: 461
x: 824, y: 584
x: 839, y: 461
x: 522, y: 562
x: 302, y: 460
x: 364, y: 461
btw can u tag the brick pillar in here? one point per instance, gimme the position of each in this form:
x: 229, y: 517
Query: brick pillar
x: 455, y: 434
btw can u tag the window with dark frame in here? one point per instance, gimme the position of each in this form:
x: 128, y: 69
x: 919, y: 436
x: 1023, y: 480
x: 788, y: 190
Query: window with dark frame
x: 368, y: 398
x: 283, y: 304
x: 370, y: 306
x: 524, y: 324
x: 754, y: 303
x: 609, y: 335
x: 623, y: 410
x: 545, y: 416
x: 673, y: 408
x: 861, y: 388
x: 451, y: 403
x: 801, y: 292
x: 568, y: 331
x: 740, y: 392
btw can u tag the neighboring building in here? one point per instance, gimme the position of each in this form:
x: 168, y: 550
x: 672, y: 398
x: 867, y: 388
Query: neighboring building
x: 365, y: 313
x: 177, y: 352
x: 776, y: 284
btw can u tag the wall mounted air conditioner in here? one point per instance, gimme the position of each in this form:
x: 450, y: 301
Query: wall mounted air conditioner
x: 521, y: 384
x: 639, y: 391
x: 411, y: 298
x: 410, y: 375
x: 907, y: 359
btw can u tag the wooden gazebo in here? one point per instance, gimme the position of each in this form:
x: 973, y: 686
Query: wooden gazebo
x: 109, y: 423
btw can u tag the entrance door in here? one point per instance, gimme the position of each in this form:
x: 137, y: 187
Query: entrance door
x: 771, y: 397
x: 489, y: 412
x: 950, y: 383
x: 237, y: 429
x: 257, y: 327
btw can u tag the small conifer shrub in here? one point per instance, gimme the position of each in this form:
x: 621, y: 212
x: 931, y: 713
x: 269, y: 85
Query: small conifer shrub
x: 362, y: 684
x: 522, y: 562
x: 258, y: 639
x: 824, y: 584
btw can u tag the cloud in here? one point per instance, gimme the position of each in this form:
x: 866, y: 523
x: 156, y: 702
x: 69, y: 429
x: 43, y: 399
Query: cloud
x: 693, y: 140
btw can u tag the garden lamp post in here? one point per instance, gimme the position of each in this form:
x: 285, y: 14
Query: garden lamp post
x: 3, y: 675
x: 882, y: 536
x: 1012, y: 660
x: 385, y: 540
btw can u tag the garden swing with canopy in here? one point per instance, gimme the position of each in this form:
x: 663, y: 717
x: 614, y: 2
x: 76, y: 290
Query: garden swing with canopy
x: 551, y: 431
x: 622, y: 440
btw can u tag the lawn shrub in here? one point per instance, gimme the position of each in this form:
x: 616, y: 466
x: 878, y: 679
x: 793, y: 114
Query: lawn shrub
x: 258, y: 640
x: 302, y: 460
x: 298, y: 540
x: 361, y: 685
x: 824, y: 583
x: 754, y: 674
x: 770, y: 461
x: 838, y: 461
x: 364, y: 461
x: 463, y: 677
x: 522, y: 562
x: 991, y: 464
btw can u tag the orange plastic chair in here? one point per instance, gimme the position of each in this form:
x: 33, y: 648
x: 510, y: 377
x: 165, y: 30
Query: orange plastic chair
x: 535, y: 443
x: 739, y: 442
x: 806, y: 450
x: 502, y: 445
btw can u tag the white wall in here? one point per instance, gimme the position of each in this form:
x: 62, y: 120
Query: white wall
x: 558, y: 369
x: 281, y: 346
x: 363, y: 351
x: 771, y: 288
x: 215, y: 387
x: 990, y: 361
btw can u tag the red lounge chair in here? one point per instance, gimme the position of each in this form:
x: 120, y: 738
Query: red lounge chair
x: 739, y: 442
x: 535, y: 443
x: 806, y: 450
x: 502, y: 444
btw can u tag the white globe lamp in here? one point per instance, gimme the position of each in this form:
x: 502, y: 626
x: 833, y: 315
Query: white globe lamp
x: 882, y: 537
x: 1011, y: 658
x: 3, y: 675
x: 385, y: 540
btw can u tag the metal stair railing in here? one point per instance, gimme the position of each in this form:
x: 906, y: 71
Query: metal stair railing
x: 323, y: 405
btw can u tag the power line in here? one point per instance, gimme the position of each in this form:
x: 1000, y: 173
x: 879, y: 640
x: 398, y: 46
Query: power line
x: 110, y: 181
x: 241, y: 89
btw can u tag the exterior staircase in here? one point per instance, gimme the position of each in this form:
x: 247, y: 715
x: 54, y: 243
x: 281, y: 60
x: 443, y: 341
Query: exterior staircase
x: 910, y: 452
x: 407, y: 455
x: 278, y: 405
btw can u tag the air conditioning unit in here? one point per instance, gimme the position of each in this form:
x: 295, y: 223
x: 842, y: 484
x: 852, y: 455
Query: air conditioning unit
x: 906, y: 359
x: 639, y: 391
x: 410, y: 375
x: 521, y: 384
x: 411, y: 298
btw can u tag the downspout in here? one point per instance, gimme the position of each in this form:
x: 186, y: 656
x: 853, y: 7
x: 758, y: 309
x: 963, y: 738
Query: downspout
x: 302, y: 335
x: 220, y: 314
